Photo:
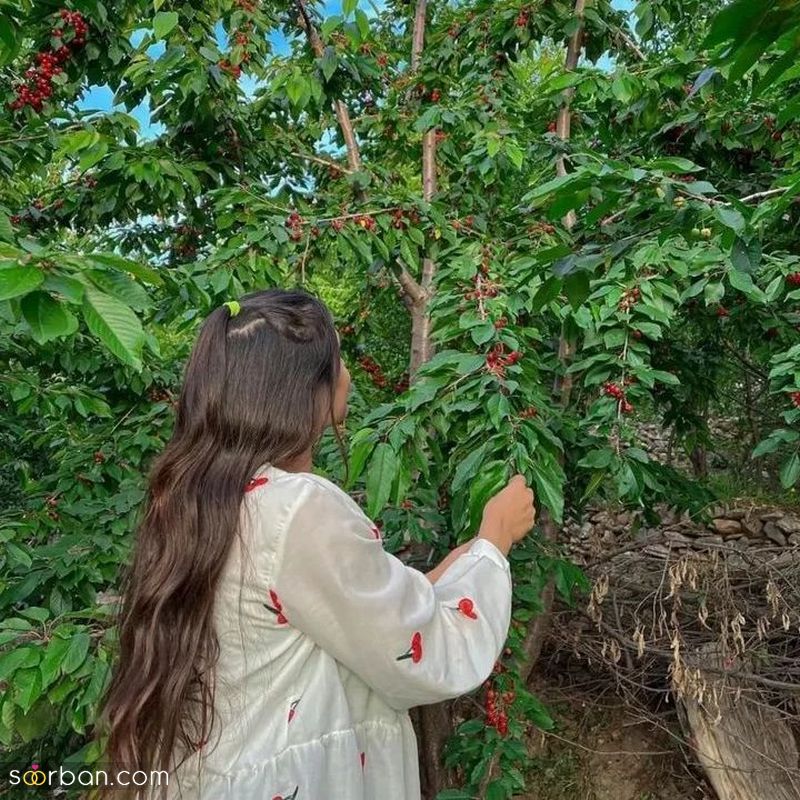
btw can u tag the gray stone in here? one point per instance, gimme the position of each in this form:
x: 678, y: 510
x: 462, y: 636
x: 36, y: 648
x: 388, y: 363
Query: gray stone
x: 794, y: 540
x: 727, y: 527
x: 774, y: 534
x: 788, y: 524
x: 752, y: 526
x: 677, y: 538
x: 770, y: 515
x: 710, y: 541
x: 735, y: 513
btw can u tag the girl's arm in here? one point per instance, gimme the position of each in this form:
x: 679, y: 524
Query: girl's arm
x: 445, y: 563
x: 412, y: 641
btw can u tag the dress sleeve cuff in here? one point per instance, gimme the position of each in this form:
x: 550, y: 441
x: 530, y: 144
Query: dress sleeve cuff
x: 483, y: 547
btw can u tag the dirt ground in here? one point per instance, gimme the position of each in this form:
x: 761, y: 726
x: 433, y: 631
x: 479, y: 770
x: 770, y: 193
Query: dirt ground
x: 600, y: 750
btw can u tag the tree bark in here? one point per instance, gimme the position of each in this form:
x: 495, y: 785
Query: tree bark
x: 421, y: 344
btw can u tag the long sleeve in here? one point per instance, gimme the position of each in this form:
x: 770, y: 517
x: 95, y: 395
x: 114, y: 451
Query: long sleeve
x: 412, y: 642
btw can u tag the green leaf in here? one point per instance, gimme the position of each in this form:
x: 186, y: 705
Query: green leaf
x: 76, y: 652
x: 549, y: 490
x: 774, y: 441
x: 713, y: 293
x: 348, y: 7
x: 8, y: 38
x: 27, y: 688
x: 115, y: 325
x: 623, y: 88
x: 730, y: 217
x: 497, y: 790
x: 20, y: 658
x: 576, y: 288
x: 328, y: 62
x: 47, y: 318
x: 297, y: 90
x: 361, y: 446
x: 53, y: 657
x: 746, y: 256
x: 383, y: 468
x: 119, y: 285
x: 468, y: 467
x: 790, y: 471
x: 16, y: 281
x: 97, y: 683
x: 675, y: 164
x: 424, y: 390
x: 597, y: 459
x: 163, y: 23
x: 6, y: 231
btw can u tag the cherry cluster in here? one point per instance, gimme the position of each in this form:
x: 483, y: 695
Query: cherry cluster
x: 247, y: 5
x: 523, y: 17
x: 795, y: 399
x: 483, y: 288
x: 528, y: 413
x: 401, y: 218
x: 629, y: 298
x: 497, y: 360
x: 500, y: 323
x: 541, y: 227
x: 468, y: 222
x: 39, y: 79
x: 241, y: 38
x: 722, y: 311
x: 366, y: 221
x: 793, y: 279
x: 374, y: 370
x: 185, y: 244
x: 294, y: 222
x: 618, y: 393
x: 496, y: 704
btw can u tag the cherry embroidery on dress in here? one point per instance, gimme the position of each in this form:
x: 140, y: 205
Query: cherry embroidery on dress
x: 466, y: 607
x: 255, y: 483
x: 376, y: 532
x: 415, y: 651
x: 293, y: 709
x: 276, y: 608
x: 363, y: 759
x: 287, y: 796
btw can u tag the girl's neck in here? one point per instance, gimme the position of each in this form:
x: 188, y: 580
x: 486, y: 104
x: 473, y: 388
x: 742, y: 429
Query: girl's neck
x: 302, y: 463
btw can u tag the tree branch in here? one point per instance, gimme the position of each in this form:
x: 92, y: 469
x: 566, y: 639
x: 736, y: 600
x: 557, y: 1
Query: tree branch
x: 407, y: 282
x: 340, y: 109
x: 630, y: 44
x: 563, y: 122
x: 418, y: 36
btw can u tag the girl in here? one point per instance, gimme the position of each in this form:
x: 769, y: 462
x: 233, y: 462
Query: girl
x: 269, y: 646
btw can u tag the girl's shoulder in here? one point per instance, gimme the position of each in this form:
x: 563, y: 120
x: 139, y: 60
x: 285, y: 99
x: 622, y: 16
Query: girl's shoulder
x: 291, y: 488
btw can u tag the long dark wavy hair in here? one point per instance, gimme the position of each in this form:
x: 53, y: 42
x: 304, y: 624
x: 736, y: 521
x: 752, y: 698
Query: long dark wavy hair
x: 258, y: 389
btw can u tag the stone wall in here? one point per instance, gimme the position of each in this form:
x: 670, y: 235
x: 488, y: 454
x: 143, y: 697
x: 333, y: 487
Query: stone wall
x: 731, y: 529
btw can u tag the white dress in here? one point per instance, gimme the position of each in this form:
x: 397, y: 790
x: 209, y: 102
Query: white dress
x: 326, y: 641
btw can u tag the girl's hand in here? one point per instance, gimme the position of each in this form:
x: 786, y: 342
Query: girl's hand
x: 509, y: 515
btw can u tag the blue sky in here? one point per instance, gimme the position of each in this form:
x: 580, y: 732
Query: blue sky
x: 101, y: 98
